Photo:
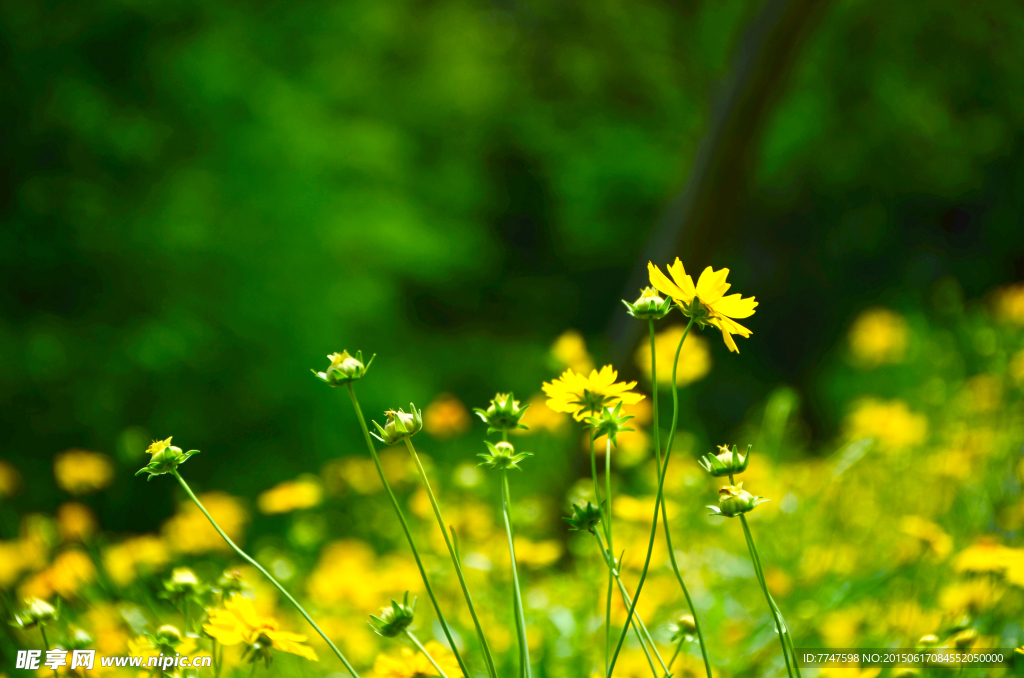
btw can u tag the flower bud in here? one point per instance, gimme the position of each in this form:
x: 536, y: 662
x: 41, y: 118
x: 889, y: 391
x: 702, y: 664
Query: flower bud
x: 503, y: 414
x: 963, y: 640
x: 183, y: 582
x: 610, y: 423
x: 698, y: 312
x: 79, y: 639
x: 36, y: 611
x: 395, y: 618
x: 904, y: 672
x: 399, y: 425
x: 930, y: 640
x: 344, y: 368
x: 168, y: 635
x: 584, y: 517
x: 727, y: 462
x: 734, y: 500
x: 649, y: 306
x: 165, y: 458
x: 230, y: 581
x: 502, y: 456
x: 684, y: 628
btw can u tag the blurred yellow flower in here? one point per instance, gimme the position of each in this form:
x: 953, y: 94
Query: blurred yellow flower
x: 710, y: 290
x: 878, y: 336
x: 166, y: 640
x: 1009, y: 303
x: 10, y: 479
x: 537, y: 553
x: 541, y: 418
x: 108, y: 627
x: 82, y: 472
x: 349, y: 572
x: 125, y: 561
x: 978, y: 594
x: 890, y: 422
x: 983, y: 392
x: 987, y: 556
x: 849, y: 672
x: 639, y: 509
x: 694, y: 358
x: 291, y: 495
x: 631, y: 448
x: 413, y: 664
x: 579, y: 396
x: 239, y: 622
x: 931, y: 535
x: 1016, y: 367
x: 189, y: 531
x: 75, y: 521
x: 570, y: 350
x: 445, y: 417
x: 68, y: 573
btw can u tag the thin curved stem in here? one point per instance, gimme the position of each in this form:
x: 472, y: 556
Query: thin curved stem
x: 506, y: 509
x: 433, y: 662
x: 455, y: 558
x: 608, y: 534
x: 252, y: 561
x: 603, y: 509
x: 664, y: 510
x: 405, y: 529
x: 788, y: 653
x: 641, y: 629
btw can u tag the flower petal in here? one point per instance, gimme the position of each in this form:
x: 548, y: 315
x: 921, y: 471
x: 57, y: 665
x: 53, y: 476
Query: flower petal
x: 735, y: 306
x: 684, y: 281
x: 666, y: 286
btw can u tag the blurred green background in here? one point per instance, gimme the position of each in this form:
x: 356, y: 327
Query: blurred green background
x: 201, y: 200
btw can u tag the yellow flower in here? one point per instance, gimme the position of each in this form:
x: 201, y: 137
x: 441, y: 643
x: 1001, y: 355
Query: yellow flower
x: 1010, y: 303
x: 70, y: 570
x: 1015, y: 368
x: 570, y: 349
x: 537, y: 553
x: 82, y: 472
x: 10, y: 479
x: 892, y: 423
x: 167, y: 640
x: 239, y: 622
x: 930, y: 534
x: 123, y: 562
x: 190, y: 532
x: 710, y: 290
x: 291, y: 495
x: 878, y: 336
x: 973, y: 596
x: 75, y: 521
x: 694, y: 358
x: 540, y: 418
x: 851, y: 672
x: 158, y: 446
x: 579, y: 396
x: 413, y: 664
x: 445, y: 417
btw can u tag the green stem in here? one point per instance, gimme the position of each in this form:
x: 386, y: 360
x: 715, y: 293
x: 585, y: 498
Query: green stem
x: 517, y: 609
x: 658, y: 500
x: 664, y: 510
x: 418, y: 644
x: 780, y: 624
x: 608, y: 533
x: 46, y: 645
x: 252, y: 561
x: 640, y: 628
x: 454, y: 557
x: 604, y: 511
x: 506, y: 508
x: 405, y: 529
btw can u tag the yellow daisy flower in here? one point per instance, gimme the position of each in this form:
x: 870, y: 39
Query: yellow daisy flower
x: 579, y: 396
x: 239, y: 622
x: 710, y: 290
x: 412, y: 664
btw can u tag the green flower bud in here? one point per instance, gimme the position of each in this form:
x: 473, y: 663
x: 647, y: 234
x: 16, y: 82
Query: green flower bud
x: 395, y: 618
x: 726, y: 462
x: 503, y: 414
x: 399, y: 425
x: 684, y: 628
x: 230, y: 581
x: 649, y: 306
x: 183, y: 582
x: 734, y: 500
x: 700, y: 313
x: 166, y: 639
x: 165, y: 458
x: 36, y: 612
x: 344, y: 368
x: 584, y: 517
x: 502, y: 456
x: 930, y: 640
x: 904, y: 672
x: 79, y: 639
x: 610, y: 423
x: 963, y: 640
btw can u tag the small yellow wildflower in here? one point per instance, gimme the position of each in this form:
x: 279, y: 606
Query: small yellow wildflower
x: 291, y: 495
x: 537, y: 553
x: 986, y: 556
x: 190, y: 532
x: 570, y: 350
x: 82, y: 472
x: 10, y: 479
x: 540, y: 418
x: 445, y: 417
x: 710, y: 290
x: 892, y: 423
x: 69, y: 572
x: 1009, y: 303
x: 414, y: 664
x: 239, y: 622
x: 75, y: 521
x: 973, y: 596
x: 931, y: 535
x: 125, y: 561
x: 694, y: 357
x: 878, y: 336
x: 579, y: 396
